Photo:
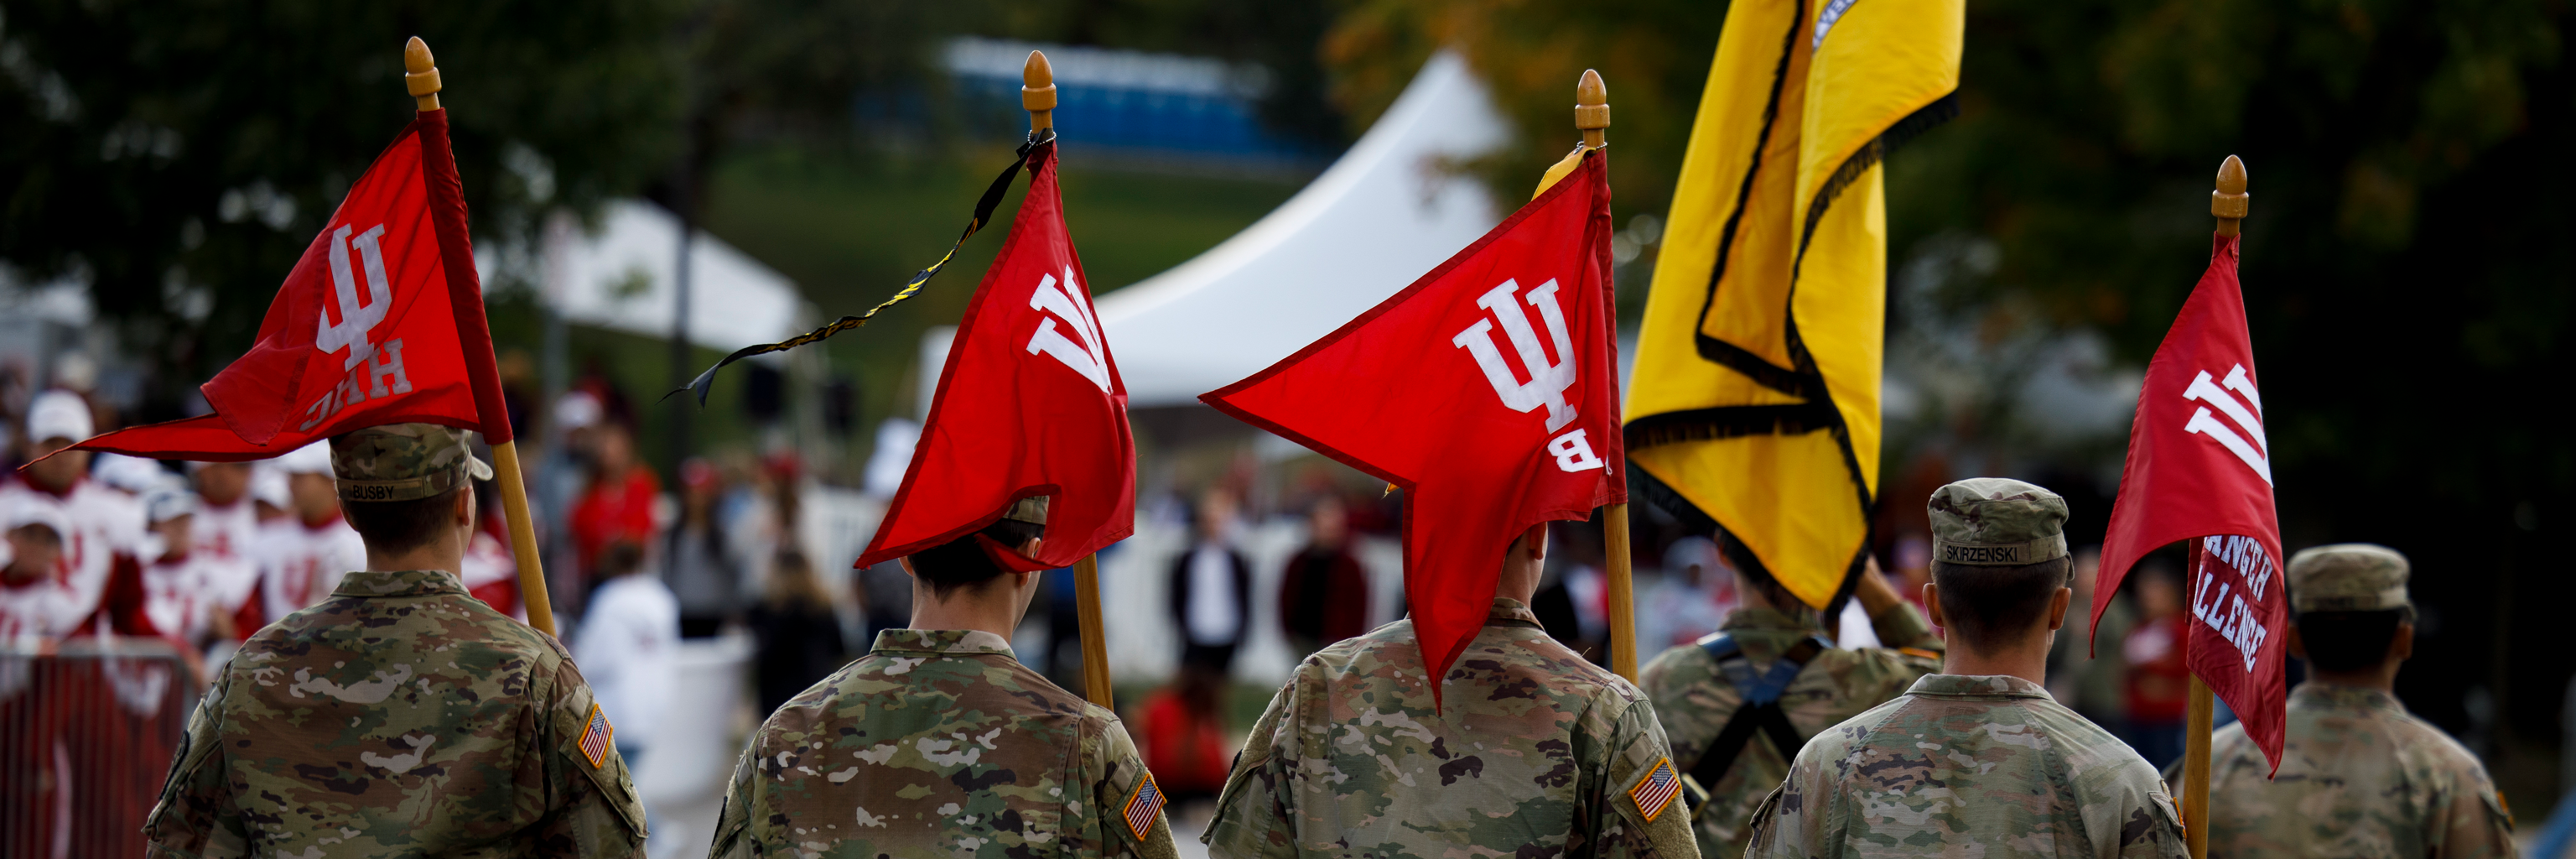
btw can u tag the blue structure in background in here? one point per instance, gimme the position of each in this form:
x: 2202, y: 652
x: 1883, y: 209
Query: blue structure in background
x: 1132, y: 103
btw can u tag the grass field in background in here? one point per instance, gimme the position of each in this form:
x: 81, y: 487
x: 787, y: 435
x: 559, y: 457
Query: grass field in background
x: 850, y: 226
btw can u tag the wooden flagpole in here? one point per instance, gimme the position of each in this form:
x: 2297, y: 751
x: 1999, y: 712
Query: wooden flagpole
x: 1037, y: 94
x: 1592, y: 117
x: 2229, y: 203
x: 421, y: 79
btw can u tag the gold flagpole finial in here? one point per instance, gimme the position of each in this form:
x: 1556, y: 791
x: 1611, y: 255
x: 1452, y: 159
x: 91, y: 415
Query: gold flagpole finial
x: 1592, y: 108
x: 1037, y: 91
x: 420, y: 73
x: 2230, y: 202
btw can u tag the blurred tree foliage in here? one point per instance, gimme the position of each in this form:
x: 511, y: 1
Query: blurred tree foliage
x: 1653, y: 54
x: 2409, y: 272
x: 179, y: 156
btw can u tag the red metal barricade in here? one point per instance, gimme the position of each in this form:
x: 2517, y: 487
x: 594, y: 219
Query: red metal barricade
x: 86, y: 738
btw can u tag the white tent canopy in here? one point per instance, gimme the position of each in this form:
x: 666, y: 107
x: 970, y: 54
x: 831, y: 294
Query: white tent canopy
x: 1380, y: 217
x: 620, y: 278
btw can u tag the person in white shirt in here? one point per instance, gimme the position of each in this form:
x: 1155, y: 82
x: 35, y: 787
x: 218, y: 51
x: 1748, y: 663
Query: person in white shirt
x: 629, y: 634
x: 35, y: 607
x: 1212, y: 589
x: 105, y: 526
x: 303, y: 554
x: 181, y: 580
x: 224, y: 528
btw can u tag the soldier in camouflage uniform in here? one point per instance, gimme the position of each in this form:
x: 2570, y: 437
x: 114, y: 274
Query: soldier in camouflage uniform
x: 939, y: 744
x: 2359, y: 775
x: 401, y: 716
x: 1536, y: 751
x: 1979, y: 761
x: 1770, y: 653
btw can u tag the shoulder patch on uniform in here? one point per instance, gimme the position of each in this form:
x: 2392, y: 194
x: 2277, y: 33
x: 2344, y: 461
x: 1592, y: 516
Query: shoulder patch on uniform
x: 595, y: 736
x: 1655, y: 792
x: 1917, y: 651
x: 1144, y: 805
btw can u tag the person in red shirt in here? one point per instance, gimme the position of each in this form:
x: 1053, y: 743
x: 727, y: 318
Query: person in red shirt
x: 1183, y: 735
x: 2159, y: 683
x: 1324, y: 595
x: 619, y: 504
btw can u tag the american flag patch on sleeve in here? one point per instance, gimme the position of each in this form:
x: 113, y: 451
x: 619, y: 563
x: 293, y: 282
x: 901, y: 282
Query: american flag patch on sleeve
x: 1144, y: 806
x: 595, y: 736
x: 1655, y: 792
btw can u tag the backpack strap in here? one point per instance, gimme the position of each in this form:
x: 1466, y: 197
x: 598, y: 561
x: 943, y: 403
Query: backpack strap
x: 1761, y: 709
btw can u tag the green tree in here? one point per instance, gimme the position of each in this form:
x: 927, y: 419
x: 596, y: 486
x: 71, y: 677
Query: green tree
x: 180, y: 156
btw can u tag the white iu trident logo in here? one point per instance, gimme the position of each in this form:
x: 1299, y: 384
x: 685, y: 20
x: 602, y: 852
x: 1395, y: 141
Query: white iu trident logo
x: 383, y: 375
x: 2257, y: 454
x: 1548, y: 381
x: 1089, y: 356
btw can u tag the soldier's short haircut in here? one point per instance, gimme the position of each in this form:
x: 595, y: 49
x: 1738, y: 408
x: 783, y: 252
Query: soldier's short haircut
x: 1992, y: 606
x: 961, y: 563
x: 2349, y: 640
x: 401, y: 526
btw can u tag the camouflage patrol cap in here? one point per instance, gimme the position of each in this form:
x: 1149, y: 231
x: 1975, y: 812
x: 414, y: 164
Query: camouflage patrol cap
x: 1030, y: 510
x: 1997, y: 522
x: 403, y: 462
x: 2348, y: 577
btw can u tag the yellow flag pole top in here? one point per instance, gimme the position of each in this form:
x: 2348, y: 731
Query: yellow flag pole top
x: 420, y: 77
x: 2229, y: 204
x: 1037, y: 94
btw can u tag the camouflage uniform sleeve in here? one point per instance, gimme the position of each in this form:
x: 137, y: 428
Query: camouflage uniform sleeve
x: 1800, y: 819
x: 1253, y: 814
x: 2127, y: 811
x: 1122, y: 775
x: 1632, y: 816
x: 591, y: 808
x: 1902, y: 626
x: 733, y: 839
x: 196, y: 816
x: 2470, y: 821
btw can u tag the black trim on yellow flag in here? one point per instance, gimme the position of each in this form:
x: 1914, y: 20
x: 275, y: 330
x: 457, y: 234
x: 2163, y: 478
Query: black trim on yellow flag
x: 1754, y: 405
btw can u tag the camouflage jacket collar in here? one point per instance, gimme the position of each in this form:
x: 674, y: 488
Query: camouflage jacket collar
x: 407, y: 583
x: 1762, y: 634
x: 961, y: 641
x: 1511, y: 612
x: 2328, y: 696
x: 1986, y: 687
x: 1768, y: 620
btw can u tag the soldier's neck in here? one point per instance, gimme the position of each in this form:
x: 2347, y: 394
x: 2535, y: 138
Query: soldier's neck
x: 993, y: 607
x: 2028, y: 660
x: 446, y: 553
x: 2382, y: 678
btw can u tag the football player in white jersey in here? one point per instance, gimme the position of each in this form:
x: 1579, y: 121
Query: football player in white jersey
x: 303, y: 554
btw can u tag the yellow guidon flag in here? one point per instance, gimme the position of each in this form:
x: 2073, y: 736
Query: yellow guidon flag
x: 1755, y: 394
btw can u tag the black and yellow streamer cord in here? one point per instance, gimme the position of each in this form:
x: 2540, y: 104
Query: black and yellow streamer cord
x: 983, y: 215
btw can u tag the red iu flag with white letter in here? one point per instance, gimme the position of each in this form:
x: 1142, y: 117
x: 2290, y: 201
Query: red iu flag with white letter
x: 1029, y: 404
x: 380, y: 322
x: 1488, y: 390
x: 2200, y: 469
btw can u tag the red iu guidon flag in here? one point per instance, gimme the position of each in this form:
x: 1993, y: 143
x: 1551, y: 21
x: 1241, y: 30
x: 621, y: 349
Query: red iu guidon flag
x: 2200, y: 469
x: 380, y: 322
x: 1488, y: 390
x: 1029, y: 404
